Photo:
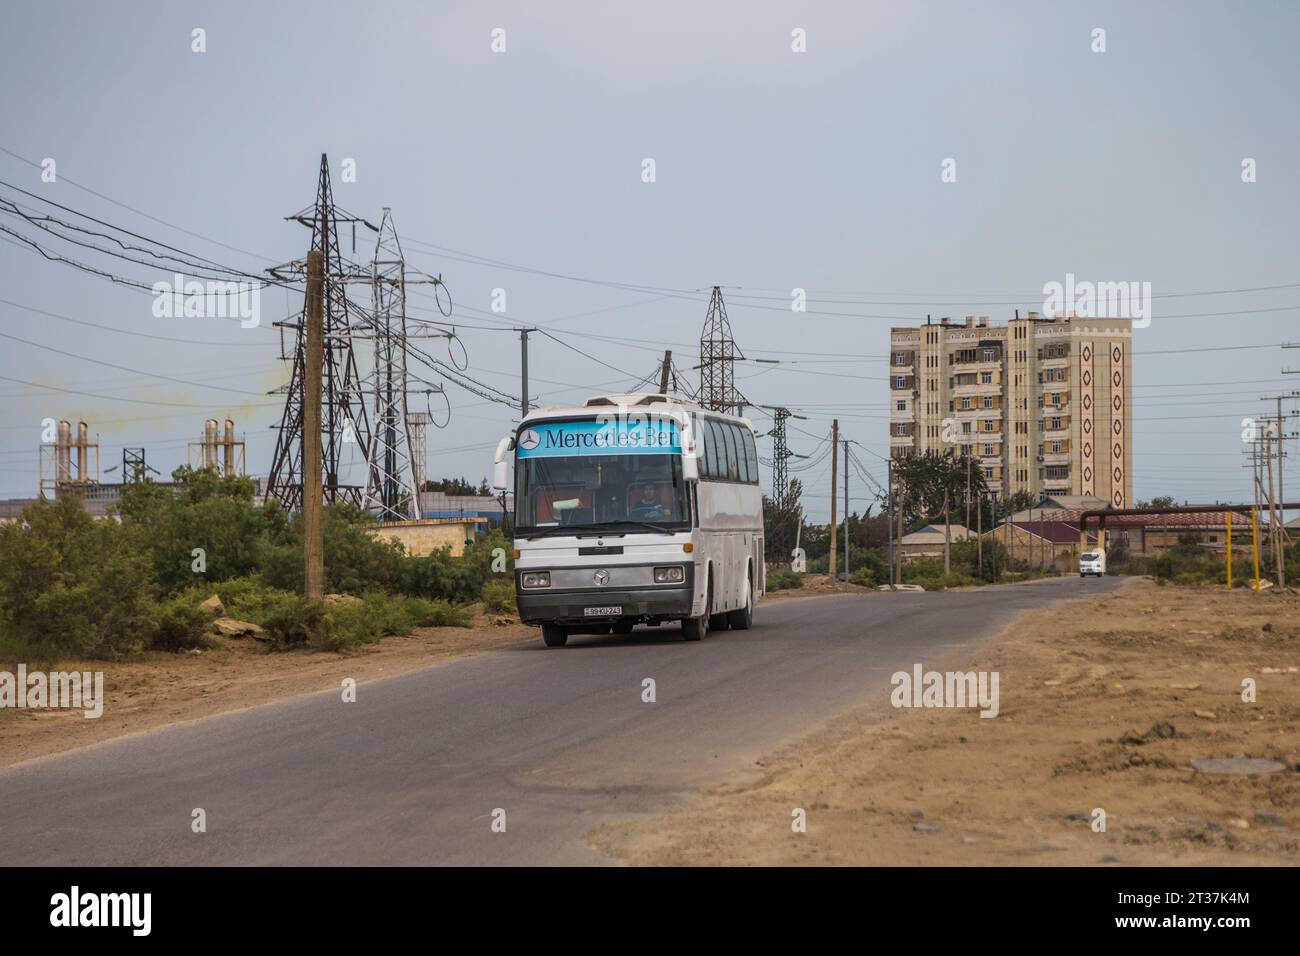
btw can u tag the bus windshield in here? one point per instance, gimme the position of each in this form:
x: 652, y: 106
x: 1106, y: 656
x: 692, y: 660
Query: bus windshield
x: 593, y: 490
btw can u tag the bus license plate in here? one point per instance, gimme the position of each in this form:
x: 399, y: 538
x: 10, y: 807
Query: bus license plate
x: 611, y: 611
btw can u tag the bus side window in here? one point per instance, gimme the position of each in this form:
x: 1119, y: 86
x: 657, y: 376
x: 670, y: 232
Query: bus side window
x: 704, y: 445
x: 733, y: 459
x: 742, y: 460
x: 717, y: 450
x: 751, y: 456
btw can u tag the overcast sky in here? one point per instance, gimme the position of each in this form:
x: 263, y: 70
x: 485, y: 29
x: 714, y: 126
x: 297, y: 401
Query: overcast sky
x: 773, y: 170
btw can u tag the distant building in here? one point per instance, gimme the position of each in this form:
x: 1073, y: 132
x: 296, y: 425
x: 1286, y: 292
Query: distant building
x: 1043, y: 405
x: 928, y: 541
x: 436, y: 504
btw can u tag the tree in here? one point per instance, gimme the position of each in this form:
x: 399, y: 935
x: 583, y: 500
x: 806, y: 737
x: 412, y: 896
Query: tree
x: 1159, y: 501
x: 931, y: 484
x: 457, y: 486
x: 781, y: 523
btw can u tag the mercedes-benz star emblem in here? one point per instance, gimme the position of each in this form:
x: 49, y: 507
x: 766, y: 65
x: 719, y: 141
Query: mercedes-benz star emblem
x: 601, y: 577
x: 528, y: 439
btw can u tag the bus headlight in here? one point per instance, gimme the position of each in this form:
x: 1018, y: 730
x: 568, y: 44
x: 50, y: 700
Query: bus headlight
x: 537, y: 579
x: 673, y: 575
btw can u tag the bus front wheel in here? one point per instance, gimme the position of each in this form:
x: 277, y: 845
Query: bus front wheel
x: 554, y: 636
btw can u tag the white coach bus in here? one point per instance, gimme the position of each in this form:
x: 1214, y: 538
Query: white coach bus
x: 631, y: 509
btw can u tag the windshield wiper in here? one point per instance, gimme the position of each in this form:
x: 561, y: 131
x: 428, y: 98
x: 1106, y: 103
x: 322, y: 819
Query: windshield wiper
x: 608, y: 527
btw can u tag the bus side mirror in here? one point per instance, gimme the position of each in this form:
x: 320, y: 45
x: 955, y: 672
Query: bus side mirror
x: 501, y: 465
x: 690, y: 467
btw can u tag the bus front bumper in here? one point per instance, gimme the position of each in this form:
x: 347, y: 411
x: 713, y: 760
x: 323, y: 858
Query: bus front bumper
x: 571, y: 607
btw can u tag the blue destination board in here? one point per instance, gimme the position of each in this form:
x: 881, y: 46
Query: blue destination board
x: 615, y: 437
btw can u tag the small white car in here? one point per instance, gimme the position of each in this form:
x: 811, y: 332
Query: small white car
x: 1092, y: 562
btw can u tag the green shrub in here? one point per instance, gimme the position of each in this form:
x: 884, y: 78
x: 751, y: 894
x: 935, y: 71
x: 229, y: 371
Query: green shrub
x: 71, y: 586
x: 941, y: 581
x: 346, y: 624
x: 179, y: 623
x: 297, y: 622
x: 499, y: 596
x: 866, y: 577
x: 783, y: 580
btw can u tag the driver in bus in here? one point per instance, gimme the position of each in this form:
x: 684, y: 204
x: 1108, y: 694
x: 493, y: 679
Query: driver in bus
x: 647, y: 506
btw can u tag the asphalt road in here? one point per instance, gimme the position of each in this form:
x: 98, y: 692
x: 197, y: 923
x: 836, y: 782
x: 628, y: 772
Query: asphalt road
x: 560, y: 739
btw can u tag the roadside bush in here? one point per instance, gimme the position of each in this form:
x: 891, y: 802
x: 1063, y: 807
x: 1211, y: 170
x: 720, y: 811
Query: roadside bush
x: 941, y: 581
x: 461, y: 579
x: 206, y: 511
x: 344, y: 625
x: 499, y: 597
x: 71, y: 586
x: 248, y: 599
x: 866, y: 577
x: 297, y: 622
x: 179, y: 623
x: 783, y: 580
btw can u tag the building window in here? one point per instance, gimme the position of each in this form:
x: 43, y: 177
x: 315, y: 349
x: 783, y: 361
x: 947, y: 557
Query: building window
x: 902, y: 405
x: 900, y: 381
x: 988, y: 401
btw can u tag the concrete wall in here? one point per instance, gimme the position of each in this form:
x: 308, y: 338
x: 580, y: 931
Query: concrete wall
x: 421, y: 538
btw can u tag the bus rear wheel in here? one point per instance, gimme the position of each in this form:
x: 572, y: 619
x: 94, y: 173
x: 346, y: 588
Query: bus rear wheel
x: 554, y: 636
x: 741, y: 618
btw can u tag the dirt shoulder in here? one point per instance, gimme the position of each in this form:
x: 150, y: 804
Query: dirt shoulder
x: 1104, y: 704
x: 158, y: 689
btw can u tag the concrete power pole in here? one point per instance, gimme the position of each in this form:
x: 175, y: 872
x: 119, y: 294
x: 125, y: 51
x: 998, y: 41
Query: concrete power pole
x: 889, y: 512
x: 846, y: 512
x: 523, y: 372
x: 312, y: 503
x: 664, y: 371
x: 835, y: 456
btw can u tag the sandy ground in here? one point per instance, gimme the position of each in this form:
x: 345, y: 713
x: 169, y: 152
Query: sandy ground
x: 159, y: 689
x: 1104, y: 704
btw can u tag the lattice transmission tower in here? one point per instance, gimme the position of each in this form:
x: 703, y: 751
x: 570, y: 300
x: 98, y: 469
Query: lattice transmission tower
x: 780, y: 454
x: 395, y: 463
x: 344, y: 424
x: 718, y: 356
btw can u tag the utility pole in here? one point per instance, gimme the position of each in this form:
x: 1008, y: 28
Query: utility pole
x: 968, y: 461
x: 1274, y: 523
x: 979, y: 535
x: 898, y: 551
x: 664, y: 371
x: 835, y: 456
x: 889, y: 512
x: 312, y: 503
x: 523, y: 371
x: 846, y: 512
